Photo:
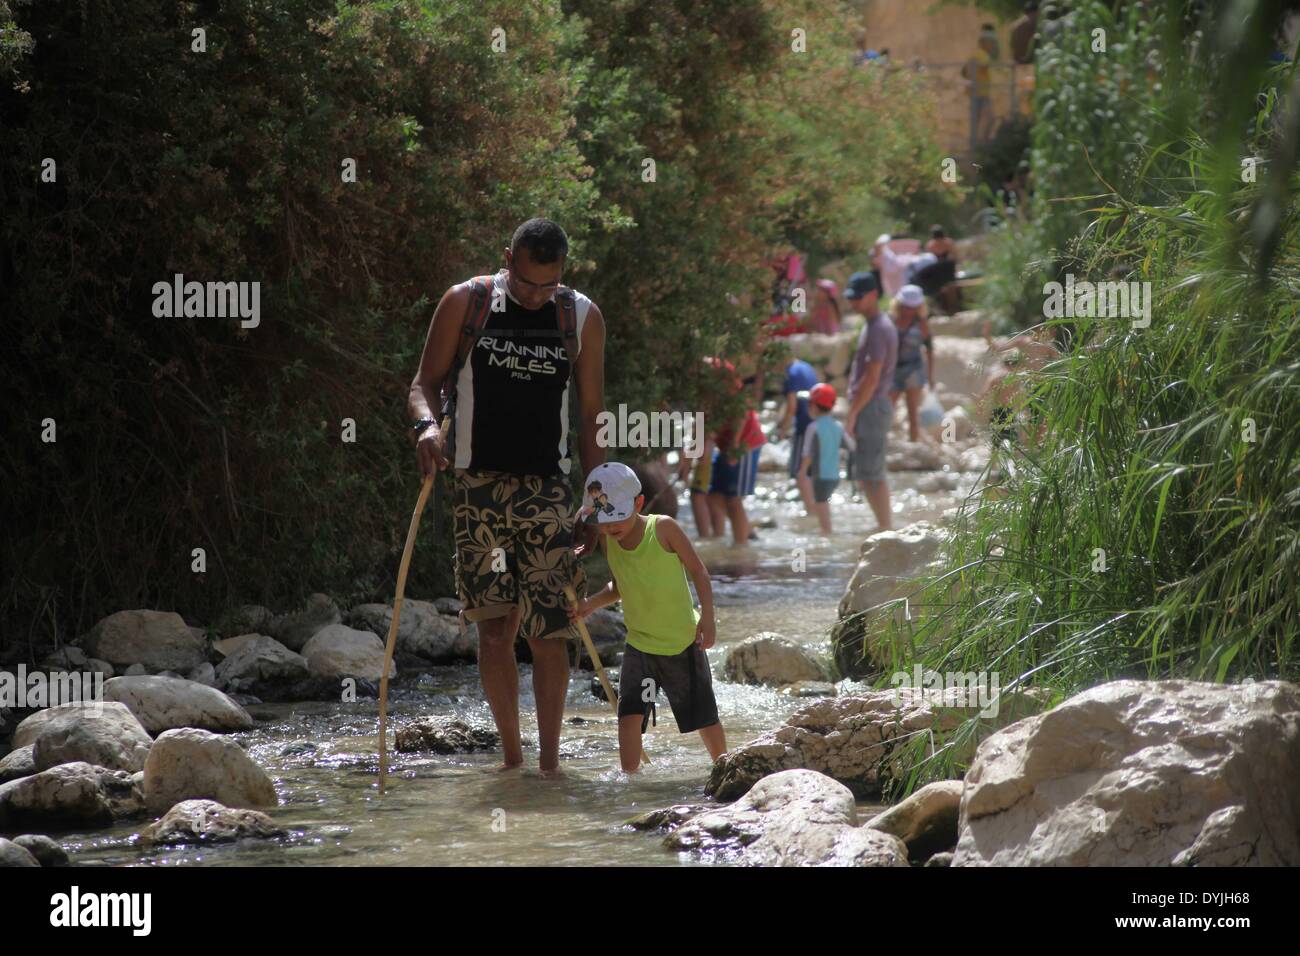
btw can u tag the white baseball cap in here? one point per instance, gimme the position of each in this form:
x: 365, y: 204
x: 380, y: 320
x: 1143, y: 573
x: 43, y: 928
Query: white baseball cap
x: 609, y: 493
x: 911, y: 296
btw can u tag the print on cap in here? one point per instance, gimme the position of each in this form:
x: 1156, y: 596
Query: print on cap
x: 610, y: 493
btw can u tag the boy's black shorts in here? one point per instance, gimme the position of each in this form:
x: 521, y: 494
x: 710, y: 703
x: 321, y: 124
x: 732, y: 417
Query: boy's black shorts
x: 684, y: 677
x: 823, y: 488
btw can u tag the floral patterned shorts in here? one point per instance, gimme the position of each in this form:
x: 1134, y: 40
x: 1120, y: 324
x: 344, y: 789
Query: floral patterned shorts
x: 514, y: 549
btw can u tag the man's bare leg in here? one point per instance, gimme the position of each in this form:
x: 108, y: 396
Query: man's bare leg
x: 877, y: 493
x: 714, y: 739
x: 500, y: 677
x: 550, y: 685
x: 703, y: 515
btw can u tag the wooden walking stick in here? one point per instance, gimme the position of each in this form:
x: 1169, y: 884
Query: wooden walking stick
x: 595, y: 660
x: 392, y: 628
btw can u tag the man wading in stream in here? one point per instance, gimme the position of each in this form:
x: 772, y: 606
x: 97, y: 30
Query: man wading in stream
x: 512, y: 504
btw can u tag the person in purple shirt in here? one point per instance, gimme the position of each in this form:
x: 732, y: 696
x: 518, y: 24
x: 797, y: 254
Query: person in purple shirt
x: 870, y: 410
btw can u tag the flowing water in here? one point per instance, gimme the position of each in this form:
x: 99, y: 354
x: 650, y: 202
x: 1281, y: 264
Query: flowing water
x: 450, y: 810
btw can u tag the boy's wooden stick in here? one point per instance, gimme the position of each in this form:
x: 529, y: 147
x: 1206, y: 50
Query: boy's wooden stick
x: 392, y: 628
x: 595, y: 660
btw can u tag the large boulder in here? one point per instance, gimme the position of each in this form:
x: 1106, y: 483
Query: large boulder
x: 860, y: 739
x: 106, y: 736
x: 206, y: 821
x: 1136, y: 773
x: 771, y: 659
x: 12, y: 854
x: 795, y: 818
x: 156, y: 640
x: 339, y: 651
x: 889, y: 564
x: 191, y: 764
x: 295, y: 629
x: 68, y: 796
x: 265, y: 668
x: 45, y: 850
x: 164, y: 703
x: 18, y: 763
x: 229, y: 645
x: 926, y: 821
x: 26, y: 733
x: 422, y: 633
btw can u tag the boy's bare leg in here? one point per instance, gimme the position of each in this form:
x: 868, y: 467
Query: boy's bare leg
x: 550, y: 685
x: 806, y: 493
x: 500, y: 677
x: 629, y: 742
x: 877, y: 493
x: 823, y: 511
x: 739, y: 520
x: 714, y: 739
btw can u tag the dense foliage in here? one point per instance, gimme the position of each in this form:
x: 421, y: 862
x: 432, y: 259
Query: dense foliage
x: 1152, y: 528
x: 464, y: 118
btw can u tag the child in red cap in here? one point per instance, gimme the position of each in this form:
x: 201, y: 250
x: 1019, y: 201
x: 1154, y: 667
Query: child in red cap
x: 823, y: 439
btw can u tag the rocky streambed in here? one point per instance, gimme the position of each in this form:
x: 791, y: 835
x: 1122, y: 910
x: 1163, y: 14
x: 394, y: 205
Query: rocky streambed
x: 253, y: 741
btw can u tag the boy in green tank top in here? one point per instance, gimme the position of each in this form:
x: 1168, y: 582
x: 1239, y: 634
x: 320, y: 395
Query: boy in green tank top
x: 649, y: 558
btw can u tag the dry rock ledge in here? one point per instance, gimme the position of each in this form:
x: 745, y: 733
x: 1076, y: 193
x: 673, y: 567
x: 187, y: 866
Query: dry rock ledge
x: 855, y: 739
x: 1135, y: 773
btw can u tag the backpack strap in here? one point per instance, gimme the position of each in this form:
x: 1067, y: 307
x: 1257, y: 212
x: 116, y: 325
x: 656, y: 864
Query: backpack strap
x: 566, y: 314
x: 476, y: 316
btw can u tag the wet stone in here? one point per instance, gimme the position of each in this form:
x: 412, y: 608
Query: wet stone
x: 445, y: 735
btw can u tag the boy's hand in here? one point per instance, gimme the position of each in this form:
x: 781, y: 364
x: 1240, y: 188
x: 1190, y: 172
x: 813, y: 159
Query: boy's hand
x: 582, y: 610
x: 706, y: 634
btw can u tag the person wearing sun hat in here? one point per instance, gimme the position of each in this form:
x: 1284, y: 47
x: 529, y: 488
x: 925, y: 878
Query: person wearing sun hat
x: 914, y: 369
x: 820, y: 469
x: 649, y: 558
x: 870, y: 410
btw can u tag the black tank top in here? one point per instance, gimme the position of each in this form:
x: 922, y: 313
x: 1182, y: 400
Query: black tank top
x: 512, y: 406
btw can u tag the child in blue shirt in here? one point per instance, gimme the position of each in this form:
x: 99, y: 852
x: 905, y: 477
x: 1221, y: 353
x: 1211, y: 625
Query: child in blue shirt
x: 819, y: 470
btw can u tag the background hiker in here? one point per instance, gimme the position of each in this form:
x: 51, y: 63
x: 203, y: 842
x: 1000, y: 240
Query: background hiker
x: 799, y: 378
x: 819, y: 473
x: 870, y: 411
x: 512, y: 502
x: 915, y: 366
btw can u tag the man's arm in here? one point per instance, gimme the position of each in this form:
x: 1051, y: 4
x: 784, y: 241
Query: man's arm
x: 866, y: 388
x: 424, y: 398
x: 591, y: 388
